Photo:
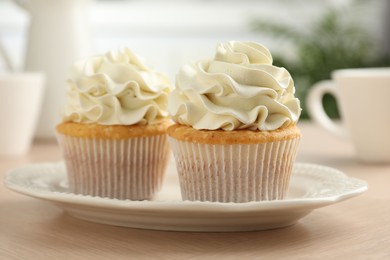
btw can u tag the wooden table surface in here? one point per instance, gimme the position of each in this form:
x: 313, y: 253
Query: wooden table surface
x: 358, y: 228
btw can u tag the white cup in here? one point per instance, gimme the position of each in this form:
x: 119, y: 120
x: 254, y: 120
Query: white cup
x: 20, y: 101
x: 363, y: 98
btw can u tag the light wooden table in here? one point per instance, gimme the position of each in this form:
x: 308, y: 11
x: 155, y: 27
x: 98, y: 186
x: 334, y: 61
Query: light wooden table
x: 354, y: 229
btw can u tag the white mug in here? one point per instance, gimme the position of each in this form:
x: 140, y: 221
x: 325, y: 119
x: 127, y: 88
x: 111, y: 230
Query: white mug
x: 363, y: 98
x: 20, y: 102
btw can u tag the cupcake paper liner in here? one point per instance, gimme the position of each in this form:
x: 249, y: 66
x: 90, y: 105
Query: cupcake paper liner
x: 235, y: 172
x: 123, y: 169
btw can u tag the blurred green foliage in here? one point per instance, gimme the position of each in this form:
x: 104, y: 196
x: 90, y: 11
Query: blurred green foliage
x: 328, y: 44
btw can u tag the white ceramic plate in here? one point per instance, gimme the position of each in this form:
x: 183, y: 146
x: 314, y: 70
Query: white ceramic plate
x: 312, y: 186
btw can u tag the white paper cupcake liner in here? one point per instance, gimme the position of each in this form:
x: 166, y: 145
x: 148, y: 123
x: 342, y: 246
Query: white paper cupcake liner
x: 234, y: 173
x: 123, y: 169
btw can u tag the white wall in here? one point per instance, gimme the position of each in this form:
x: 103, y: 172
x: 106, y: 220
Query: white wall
x: 172, y: 32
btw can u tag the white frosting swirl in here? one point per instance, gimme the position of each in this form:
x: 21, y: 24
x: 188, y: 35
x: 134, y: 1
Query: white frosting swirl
x: 116, y: 89
x: 238, y: 89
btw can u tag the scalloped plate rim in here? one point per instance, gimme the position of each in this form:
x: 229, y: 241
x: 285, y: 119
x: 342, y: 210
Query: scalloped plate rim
x: 66, y: 198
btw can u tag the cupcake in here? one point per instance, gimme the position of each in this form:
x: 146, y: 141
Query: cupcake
x: 235, y: 136
x: 113, y: 129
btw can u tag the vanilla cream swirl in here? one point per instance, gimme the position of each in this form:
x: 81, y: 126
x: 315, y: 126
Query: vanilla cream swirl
x: 116, y: 89
x: 238, y: 89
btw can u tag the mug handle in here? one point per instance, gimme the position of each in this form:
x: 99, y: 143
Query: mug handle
x: 316, y: 109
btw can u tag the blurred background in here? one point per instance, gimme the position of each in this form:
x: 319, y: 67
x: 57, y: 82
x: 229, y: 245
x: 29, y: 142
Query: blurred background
x: 309, y: 38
